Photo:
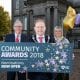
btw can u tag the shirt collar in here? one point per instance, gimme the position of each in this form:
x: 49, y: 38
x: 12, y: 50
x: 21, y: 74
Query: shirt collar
x: 17, y: 35
x: 37, y: 36
x: 59, y: 39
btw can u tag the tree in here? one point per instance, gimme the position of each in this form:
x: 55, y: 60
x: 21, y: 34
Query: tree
x: 5, y: 22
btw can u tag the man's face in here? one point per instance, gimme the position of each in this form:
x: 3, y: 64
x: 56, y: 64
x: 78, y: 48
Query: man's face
x: 58, y: 33
x: 18, y: 28
x: 40, y: 28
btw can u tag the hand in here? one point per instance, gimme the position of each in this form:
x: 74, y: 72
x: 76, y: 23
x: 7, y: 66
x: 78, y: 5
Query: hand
x: 22, y: 71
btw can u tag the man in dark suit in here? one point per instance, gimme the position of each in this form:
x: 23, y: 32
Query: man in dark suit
x: 40, y: 37
x: 17, y: 36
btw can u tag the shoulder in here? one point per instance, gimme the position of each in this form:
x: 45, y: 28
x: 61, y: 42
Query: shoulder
x: 23, y: 35
x: 49, y: 38
x: 9, y: 35
x: 30, y: 37
x: 66, y: 40
x: 52, y: 40
x: 24, y: 38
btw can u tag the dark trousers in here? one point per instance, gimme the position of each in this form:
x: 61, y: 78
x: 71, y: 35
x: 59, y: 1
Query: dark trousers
x: 62, y: 76
x: 12, y: 75
x: 39, y: 76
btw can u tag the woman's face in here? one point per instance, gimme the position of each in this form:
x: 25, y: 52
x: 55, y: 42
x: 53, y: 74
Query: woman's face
x: 58, y: 33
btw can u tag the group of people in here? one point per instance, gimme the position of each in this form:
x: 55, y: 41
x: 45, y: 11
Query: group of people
x: 39, y: 36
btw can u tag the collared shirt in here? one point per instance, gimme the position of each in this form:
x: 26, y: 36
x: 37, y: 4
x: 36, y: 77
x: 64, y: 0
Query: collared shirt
x: 19, y: 37
x: 43, y: 40
x: 58, y: 39
x: 61, y: 40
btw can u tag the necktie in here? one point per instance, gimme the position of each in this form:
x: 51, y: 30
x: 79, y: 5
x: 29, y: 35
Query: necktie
x: 17, y: 38
x: 41, y: 39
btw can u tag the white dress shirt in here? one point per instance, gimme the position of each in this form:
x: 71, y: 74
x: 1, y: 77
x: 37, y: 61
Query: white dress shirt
x: 61, y: 40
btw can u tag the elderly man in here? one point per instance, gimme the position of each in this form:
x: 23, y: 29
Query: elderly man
x: 16, y: 36
x: 60, y: 39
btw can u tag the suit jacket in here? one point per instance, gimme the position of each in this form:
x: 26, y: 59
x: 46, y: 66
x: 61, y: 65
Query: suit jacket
x: 46, y: 76
x: 11, y: 38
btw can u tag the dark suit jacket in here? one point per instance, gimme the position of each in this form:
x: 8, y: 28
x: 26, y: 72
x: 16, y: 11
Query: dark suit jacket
x: 11, y: 75
x: 46, y: 76
x: 11, y: 38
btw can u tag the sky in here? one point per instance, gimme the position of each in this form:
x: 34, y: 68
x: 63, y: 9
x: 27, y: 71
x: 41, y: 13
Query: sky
x: 7, y: 5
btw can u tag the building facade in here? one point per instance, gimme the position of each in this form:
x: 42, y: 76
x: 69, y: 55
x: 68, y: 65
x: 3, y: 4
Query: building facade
x: 52, y: 11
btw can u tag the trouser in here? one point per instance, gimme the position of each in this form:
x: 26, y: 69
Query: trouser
x: 40, y: 76
x: 62, y: 76
x: 12, y: 75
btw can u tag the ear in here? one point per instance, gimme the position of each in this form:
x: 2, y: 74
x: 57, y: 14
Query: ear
x: 34, y: 28
x: 13, y: 28
x: 45, y: 28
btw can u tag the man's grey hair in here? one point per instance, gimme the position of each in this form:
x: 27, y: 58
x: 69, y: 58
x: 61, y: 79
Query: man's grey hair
x: 17, y: 23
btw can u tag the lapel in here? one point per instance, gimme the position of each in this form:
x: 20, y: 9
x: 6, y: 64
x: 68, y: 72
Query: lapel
x: 47, y: 39
x: 34, y: 39
x: 13, y: 37
x: 22, y: 38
